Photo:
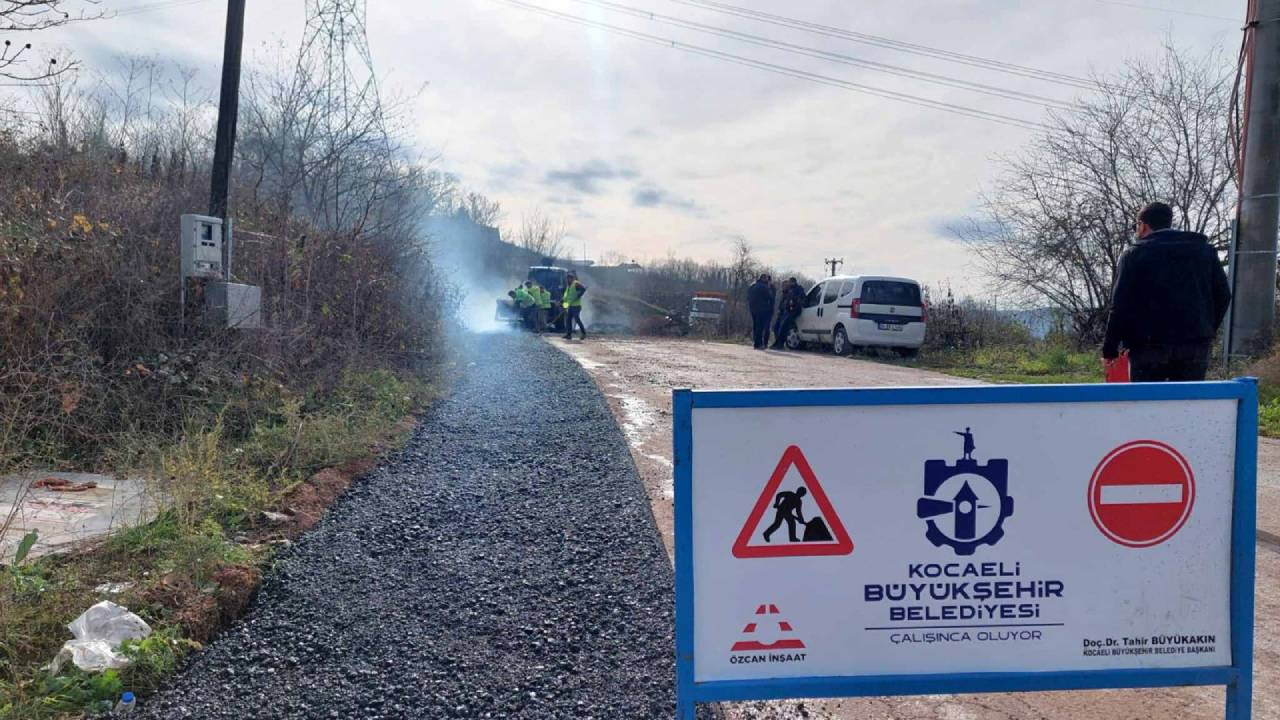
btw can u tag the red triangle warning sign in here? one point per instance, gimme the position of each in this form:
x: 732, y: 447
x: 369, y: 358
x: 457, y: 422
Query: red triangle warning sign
x: 791, y: 533
x: 759, y: 634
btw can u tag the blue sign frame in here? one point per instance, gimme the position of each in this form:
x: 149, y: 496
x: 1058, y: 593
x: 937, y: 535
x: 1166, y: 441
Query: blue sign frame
x: 1236, y: 677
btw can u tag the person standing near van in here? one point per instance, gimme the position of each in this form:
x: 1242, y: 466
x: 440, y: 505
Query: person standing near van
x: 781, y: 314
x: 1169, y: 298
x: 789, y: 308
x: 760, y: 298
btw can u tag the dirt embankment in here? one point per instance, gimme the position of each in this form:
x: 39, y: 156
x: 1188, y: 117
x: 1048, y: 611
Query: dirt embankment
x: 202, y: 615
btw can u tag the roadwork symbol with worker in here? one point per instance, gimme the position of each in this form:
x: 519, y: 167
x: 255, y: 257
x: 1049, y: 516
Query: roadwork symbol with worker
x: 792, y: 520
x: 965, y: 504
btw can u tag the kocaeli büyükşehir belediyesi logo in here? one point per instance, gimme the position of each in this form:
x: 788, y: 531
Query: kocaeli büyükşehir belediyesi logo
x: 965, y: 504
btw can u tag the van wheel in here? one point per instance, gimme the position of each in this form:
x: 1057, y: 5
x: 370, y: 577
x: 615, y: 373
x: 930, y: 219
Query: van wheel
x: 793, y: 341
x: 908, y: 352
x: 840, y: 342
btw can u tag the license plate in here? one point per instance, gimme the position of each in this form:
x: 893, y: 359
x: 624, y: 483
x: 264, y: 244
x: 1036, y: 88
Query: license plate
x: 889, y: 326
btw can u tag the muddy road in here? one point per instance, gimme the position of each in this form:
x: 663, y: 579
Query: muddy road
x: 637, y: 377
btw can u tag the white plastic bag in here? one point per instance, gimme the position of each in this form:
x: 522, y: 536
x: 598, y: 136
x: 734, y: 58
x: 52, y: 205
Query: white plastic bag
x: 99, y: 632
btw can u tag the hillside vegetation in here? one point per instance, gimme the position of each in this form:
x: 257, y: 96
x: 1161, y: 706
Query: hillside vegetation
x: 102, y: 369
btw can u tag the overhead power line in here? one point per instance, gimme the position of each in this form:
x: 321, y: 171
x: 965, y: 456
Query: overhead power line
x: 900, y: 71
x: 1175, y: 11
x: 155, y: 7
x: 781, y: 69
x: 892, y: 44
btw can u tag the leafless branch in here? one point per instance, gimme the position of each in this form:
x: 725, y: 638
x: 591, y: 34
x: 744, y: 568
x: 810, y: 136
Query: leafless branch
x: 1054, y: 225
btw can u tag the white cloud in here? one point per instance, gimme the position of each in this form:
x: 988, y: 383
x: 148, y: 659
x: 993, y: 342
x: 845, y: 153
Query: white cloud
x: 646, y: 149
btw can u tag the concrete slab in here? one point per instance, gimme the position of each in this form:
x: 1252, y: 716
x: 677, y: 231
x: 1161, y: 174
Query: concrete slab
x: 64, y: 519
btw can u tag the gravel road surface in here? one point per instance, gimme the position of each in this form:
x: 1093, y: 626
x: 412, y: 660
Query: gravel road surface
x: 504, y: 565
x: 637, y: 376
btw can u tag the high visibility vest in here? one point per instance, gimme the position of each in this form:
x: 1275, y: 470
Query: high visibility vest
x: 573, y: 295
x: 544, y: 298
x: 523, y: 298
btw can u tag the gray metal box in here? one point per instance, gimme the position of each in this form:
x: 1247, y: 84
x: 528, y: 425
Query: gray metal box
x: 201, y: 245
x: 234, y: 305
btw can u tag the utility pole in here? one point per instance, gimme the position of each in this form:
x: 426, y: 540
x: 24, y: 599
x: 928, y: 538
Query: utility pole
x: 1254, y: 265
x: 833, y: 262
x: 228, y: 110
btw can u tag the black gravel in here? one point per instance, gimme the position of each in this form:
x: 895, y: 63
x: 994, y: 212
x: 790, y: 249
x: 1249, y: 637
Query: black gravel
x: 504, y: 565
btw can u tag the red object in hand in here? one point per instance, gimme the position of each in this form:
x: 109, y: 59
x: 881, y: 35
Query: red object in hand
x: 1118, y: 369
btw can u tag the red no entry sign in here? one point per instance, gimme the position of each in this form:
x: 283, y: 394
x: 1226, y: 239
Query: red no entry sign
x: 1141, y: 493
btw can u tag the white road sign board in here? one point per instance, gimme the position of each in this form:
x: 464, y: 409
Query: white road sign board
x: 952, y: 539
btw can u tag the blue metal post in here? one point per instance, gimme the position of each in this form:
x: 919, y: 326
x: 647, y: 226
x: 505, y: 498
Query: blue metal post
x: 1243, y: 546
x: 682, y: 407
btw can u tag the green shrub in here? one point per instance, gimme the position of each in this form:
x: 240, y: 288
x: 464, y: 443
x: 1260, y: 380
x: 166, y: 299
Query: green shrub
x: 55, y: 696
x: 154, y: 657
x: 1029, y: 363
x: 1269, y: 418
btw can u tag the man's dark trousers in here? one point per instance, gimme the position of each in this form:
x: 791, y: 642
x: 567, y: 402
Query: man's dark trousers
x: 573, y: 316
x: 760, y: 328
x: 786, y: 322
x: 1169, y: 363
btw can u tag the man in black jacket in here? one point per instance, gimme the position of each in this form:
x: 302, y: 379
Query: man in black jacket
x: 1169, y: 298
x: 760, y: 297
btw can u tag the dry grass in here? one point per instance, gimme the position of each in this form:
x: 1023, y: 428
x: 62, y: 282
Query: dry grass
x: 194, y: 567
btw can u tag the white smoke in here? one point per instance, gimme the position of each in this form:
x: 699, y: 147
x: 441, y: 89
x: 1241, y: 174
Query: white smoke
x: 475, y: 265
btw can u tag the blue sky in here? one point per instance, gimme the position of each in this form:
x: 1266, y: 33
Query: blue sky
x: 644, y: 150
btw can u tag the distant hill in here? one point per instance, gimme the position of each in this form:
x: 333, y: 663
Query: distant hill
x: 1038, y: 321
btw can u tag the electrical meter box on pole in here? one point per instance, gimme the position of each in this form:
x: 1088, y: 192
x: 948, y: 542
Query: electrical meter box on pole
x: 202, y: 247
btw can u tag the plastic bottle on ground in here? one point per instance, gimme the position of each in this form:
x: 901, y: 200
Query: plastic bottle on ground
x: 126, y: 705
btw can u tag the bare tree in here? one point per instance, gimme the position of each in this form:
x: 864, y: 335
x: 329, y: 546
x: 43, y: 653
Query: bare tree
x: 56, y: 106
x: 25, y: 16
x: 188, y: 135
x: 540, y: 234
x: 480, y: 209
x: 743, y: 270
x: 304, y: 151
x: 1055, y: 224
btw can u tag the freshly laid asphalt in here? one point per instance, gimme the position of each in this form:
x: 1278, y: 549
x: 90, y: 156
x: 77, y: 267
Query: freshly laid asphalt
x: 505, y: 564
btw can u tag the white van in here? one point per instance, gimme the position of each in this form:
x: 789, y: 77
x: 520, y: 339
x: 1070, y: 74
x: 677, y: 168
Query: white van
x: 848, y: 311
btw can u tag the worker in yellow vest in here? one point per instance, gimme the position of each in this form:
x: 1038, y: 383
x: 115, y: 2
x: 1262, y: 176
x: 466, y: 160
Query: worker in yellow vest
x: 524, y: 301
x: 542, y: 307
x: 531, y: 310
x: 572, y: 302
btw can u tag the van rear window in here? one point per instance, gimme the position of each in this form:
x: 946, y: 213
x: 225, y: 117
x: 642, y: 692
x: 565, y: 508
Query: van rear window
x: 888, y: 292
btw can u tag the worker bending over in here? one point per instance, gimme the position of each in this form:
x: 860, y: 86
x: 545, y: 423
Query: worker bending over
x: 531, y: 312
x: 524, y: 301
